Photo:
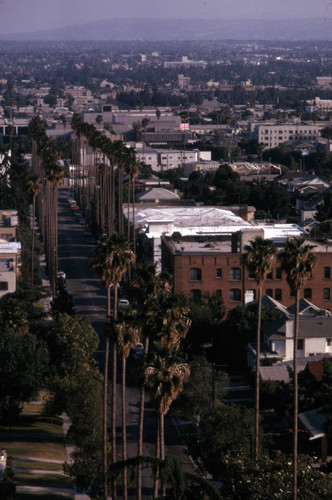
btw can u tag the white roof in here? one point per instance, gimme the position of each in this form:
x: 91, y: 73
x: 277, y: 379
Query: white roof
x: 157, y: 194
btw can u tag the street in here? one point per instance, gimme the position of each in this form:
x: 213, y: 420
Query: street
x: 89, y: 297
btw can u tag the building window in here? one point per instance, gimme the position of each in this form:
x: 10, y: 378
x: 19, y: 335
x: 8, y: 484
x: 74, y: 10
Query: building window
x: 195, y: 274
x: 218, y: 273
x: 3, y: 285
x: 326, y: 293
x: 328, y: 342
x: 278, y: 273
x: 218, y: 294
x: 278, y: 294
x: 269, y: 276
x: 307, y: 293
x: 300, y: 344
x: 195, y: 295
x: 235, y: 295
x: 251, y: 275
x: 235, y: 273
x: 327, y: 272
x: 269, y: 292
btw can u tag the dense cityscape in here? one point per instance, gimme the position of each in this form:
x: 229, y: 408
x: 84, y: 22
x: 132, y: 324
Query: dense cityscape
x: 165, y: 269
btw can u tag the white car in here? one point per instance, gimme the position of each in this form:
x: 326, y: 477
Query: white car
x: 61, y: 274
x: 123, y: 303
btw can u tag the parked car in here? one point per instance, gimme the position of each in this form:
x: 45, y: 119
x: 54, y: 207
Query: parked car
x: 61, y: 274
x: 123, y: 303
x: 138, y: 351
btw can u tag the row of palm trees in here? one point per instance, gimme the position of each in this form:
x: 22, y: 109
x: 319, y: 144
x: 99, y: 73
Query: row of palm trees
x: 297, y: 261
x: 161, y: 317
x: 98, y: 162
x: 46, y: 179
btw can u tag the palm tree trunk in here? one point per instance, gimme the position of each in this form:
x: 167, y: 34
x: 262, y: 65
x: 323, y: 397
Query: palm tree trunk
x: 33, y: 239
x: 156, y: 477
x: 105, y: 436
x: 115, y: 311
x: 295, y: 395
x: 258, y: 354
x: 124, y: 428
x: 140, y: 430
x: 162, y: 449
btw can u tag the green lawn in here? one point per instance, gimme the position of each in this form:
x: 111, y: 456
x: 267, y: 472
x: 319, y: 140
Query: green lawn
x: 45, y: 480
x: 36, y: 437
x: 30, y: 495
x: 35, y: 464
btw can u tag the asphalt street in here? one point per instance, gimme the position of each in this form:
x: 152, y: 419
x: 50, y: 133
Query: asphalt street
x: 89, y: 297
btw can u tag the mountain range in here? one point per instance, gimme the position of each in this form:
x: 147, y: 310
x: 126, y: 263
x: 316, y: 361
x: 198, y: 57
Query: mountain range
x: 185, y: 29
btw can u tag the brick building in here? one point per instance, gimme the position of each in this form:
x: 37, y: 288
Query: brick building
x: 215, y: 265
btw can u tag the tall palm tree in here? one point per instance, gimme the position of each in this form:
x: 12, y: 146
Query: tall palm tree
x: 165, y: 376
x: 145, y: 288
x: 258, y: 259
x: 111, y: 259
x: 126, y: 335
x: 34, y: 187
x: 297, y: 260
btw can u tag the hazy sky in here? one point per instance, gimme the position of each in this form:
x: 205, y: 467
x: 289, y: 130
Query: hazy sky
x: 33, y: 15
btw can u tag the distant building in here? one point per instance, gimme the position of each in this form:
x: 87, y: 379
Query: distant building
x: 272, y: 135
x: 185, y: 62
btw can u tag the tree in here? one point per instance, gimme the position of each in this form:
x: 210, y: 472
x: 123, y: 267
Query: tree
x: 34, y: 187
x: 111, y: 259
x: 298, y: 261
x: 165, y: 376
x: 126, y: 336
x: 258, y: 259
x: 23, y: 361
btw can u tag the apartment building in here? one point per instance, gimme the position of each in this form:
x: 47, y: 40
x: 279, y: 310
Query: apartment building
x: 272, y: 135
x: 216, y: 265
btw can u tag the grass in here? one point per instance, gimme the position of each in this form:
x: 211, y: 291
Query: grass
x: 34, y: 464
x: 30, y: 495
x: 44, y: 480
x: 37, y: 437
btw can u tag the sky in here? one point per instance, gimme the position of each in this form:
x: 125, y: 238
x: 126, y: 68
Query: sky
x: 17, y: 16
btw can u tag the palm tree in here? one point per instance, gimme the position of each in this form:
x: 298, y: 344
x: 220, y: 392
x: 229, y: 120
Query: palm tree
x: 126, y: 335
x: 145, y: 288
x: 34, y: 187
x: 111, y: 259
x: 258, y: 259
x: 298, y: 261
x: 165, y: 376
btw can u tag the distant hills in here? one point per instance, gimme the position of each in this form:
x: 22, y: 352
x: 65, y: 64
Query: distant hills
x: 185, y: 29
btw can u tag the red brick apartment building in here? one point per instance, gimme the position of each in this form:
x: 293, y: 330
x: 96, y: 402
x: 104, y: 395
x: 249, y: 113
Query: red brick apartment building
x: 215, y: 264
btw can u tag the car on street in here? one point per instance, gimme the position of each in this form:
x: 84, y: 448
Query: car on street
x: 123, y: 303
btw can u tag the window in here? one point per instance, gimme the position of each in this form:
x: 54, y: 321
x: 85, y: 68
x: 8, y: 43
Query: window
x: 300, y: 344
x: 269, y: 276
x: 278, y: 273
x: 3, y: 285
x: 278, y: 294
x: 218, y: 294
x: 195, y: 274
x: 235, y: 295
x: 326, y: 293
x: 307, y: 293
x: 251, y: 275
x: 327, y: 272
x: 269, y: 292
x: 218, y: 273
x: 235, y: 273
x: 195, y: 295
x: 329, y: 342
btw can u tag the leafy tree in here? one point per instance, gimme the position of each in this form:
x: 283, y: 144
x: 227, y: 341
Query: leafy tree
x: 226, y: 431
x: 269, y: 479
x: 205, y: 385
x: 23, y: 361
